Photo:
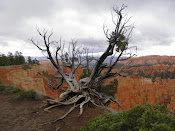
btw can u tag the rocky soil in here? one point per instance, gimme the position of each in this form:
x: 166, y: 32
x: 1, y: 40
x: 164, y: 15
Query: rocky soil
x: 20, y: 115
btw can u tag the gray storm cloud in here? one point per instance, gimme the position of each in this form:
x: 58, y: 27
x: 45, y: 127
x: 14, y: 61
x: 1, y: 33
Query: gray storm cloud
x: 83, y: 20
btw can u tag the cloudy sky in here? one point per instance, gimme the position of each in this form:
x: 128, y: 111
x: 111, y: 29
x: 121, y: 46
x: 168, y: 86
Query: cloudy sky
x: 154, y: 22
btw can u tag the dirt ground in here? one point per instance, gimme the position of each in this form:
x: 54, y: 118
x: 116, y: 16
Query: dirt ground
x: 20, y: 115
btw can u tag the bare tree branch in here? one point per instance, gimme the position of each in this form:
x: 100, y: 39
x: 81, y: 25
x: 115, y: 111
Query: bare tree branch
x: 85, y: 90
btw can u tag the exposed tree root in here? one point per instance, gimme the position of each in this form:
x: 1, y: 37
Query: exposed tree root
x: 71, y: 109
x: 50, y: 107
x: 78, y: 99
x: 82, y: 104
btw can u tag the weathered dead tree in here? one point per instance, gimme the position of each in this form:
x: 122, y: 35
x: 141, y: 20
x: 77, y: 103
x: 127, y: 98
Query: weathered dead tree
x: 84, y: 91
x: 88, y: 59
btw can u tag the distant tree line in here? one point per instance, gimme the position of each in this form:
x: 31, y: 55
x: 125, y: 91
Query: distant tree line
x: 30, y: 61
x: 12, y: 59
x: 164, y: 75
x: 15, y: 59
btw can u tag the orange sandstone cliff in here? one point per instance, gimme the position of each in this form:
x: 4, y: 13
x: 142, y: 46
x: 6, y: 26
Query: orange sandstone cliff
x: 25, y: 79
x: 31, y: 78
x: 132, y: 90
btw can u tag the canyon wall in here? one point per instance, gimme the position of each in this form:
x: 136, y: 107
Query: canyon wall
x: 28, y: 79
x: 149, y: 60
x: 132, y: 90
x: 25, y: 79
x: 139, y: 91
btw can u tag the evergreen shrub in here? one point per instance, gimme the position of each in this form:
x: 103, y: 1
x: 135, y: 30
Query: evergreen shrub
x: 138, y: 118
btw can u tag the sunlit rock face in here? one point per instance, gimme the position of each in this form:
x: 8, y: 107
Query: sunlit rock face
x: 139, y: 91
x: 25, y: 79
x: 32, y: 79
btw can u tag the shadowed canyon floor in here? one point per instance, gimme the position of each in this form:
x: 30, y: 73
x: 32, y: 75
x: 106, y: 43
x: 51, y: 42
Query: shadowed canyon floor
x: 20, y: 115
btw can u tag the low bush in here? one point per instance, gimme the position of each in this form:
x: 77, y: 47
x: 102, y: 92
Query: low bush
x: 108, y: 89
x: 138, y: 118
x: 26, y: 66
x: 85, y: 74
x: 2, y: 87
x: 30, y: 95
x: 18, y: 93
x: 8, y: 89
x: 11, y: 90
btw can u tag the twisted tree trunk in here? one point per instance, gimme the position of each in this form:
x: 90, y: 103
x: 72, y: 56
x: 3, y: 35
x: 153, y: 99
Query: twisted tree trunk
x: 84, y: 91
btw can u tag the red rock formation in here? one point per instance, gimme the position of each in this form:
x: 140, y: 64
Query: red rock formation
x: 132, y: 90
x: 151, y: 60
x: 24, y: 79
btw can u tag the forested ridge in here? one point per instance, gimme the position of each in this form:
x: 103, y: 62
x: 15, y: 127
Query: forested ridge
x: 15, y: 59
x: 12, y: 59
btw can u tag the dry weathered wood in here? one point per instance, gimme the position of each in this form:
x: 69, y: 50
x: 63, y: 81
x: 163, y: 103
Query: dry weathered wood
x: 82, y: 104
x: 71, y: 109
x: 83, y: 91
x: 48, y: 108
